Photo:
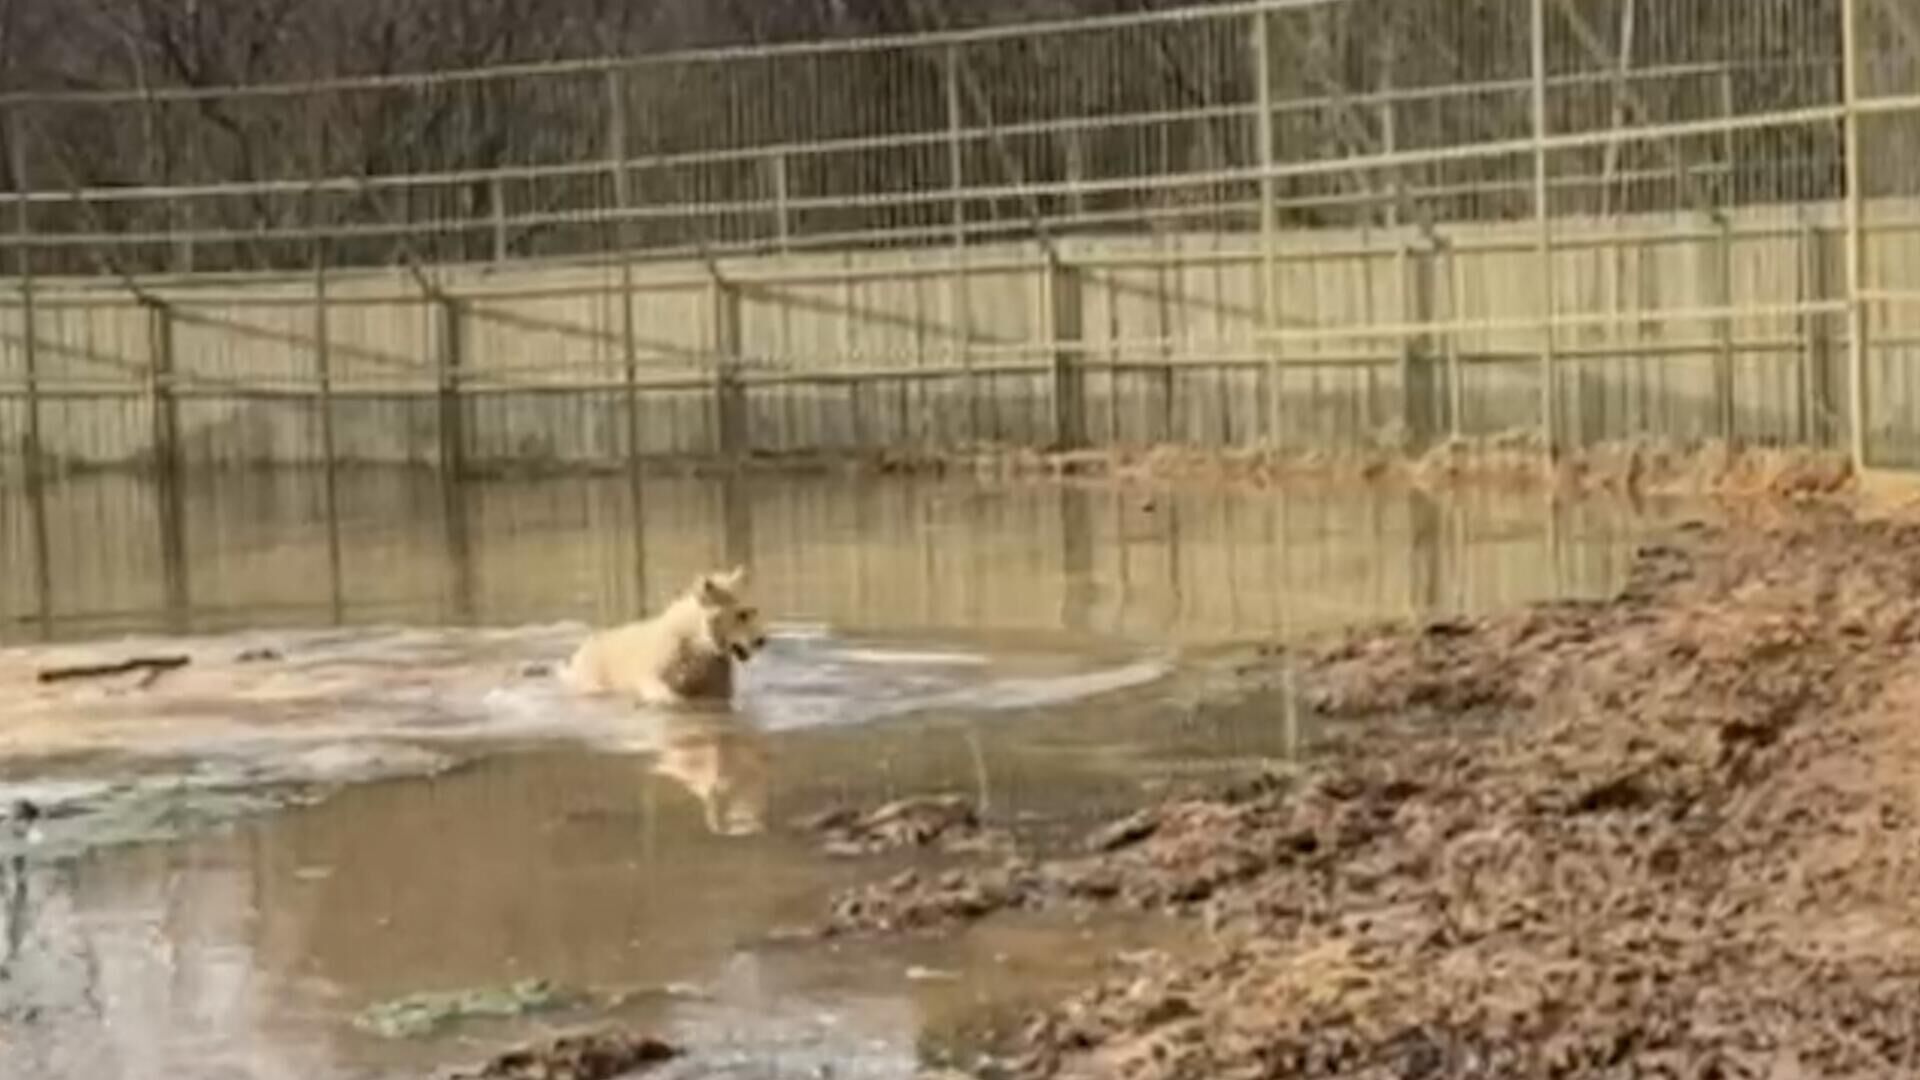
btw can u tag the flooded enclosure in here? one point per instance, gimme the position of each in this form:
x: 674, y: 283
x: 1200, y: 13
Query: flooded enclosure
x: 357, y: 361
x: 366, y: 786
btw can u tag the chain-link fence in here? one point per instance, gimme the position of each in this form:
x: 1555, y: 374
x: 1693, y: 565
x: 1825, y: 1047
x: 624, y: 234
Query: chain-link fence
x: 1286, y: 222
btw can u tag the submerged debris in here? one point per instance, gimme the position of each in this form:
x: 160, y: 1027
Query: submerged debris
x: 1685, y: 845
x: 423, y: 1014
x: 152, y: 667
x: 948, y: 822
x: 600, y: 1055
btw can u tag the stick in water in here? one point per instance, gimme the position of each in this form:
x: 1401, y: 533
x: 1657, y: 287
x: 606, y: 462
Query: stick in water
x: 154, y: 666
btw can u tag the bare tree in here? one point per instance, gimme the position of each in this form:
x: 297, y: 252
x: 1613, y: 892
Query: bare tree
x: 1350, y: 78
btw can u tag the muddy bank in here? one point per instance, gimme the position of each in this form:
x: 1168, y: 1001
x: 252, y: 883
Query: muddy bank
x: 1675, y: 834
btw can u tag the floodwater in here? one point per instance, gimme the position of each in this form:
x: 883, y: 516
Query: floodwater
x: 363, y: 787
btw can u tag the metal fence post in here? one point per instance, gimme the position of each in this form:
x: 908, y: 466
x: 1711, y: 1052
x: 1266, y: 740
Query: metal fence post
x: 497, y: 204
x: 1269, y: 219
x: 182, y: 211
x: 452, y: 358
x: 1456, y: 314
x: 729, y: 392
x: 1818, y: 406
x: 323, y: 379
x: 958, y: 281
x: 1420, y: 392
x: 1855, y: 241
x: 33, y: 464
x: 161, y: 370
x: 617, y: 159
x: 23, y: 269
x: 623, y: 202
x: 323, y: 359
x: 1067, y: 340
x: 1543, y: 232
x: 1726, y: 417
x: 776, y: 165
x: 160, y: 388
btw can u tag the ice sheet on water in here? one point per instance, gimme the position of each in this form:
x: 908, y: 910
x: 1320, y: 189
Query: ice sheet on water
x: 324, y: 708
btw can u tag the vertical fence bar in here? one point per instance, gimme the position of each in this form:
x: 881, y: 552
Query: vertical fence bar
x: 623, y: 203
x: 1727, y: 145
x: 729, y: 393
x: 323, y: 379
x: 849, y: 359
x: 452, y: 359
x: 622, y: 177
x: 451, y: 364
x: 182, y: 213
x: 1065, y: 307
x: 323, y: 361
x: 497, y: 202
x: 161, y: 369
x: 782, y: 215
x: 1421, y: 400
x: 23, y: 269
x: 1817, y: 405
x: 1456, y: 313
x: 1855, y: 242
x: 958, y: 282
x: 33, y: 464
x: 160, y: 385
x: 1725, y: 417
x: 1543, y: 231
x: 779, y: 180
x: 1389, y: 125
x: 1261, y: 32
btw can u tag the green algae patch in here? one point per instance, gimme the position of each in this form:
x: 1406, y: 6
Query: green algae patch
x: 418, y: 1015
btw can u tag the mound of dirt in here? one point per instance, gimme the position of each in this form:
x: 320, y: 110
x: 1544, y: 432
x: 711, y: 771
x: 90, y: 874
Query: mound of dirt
x: 1685, y: 845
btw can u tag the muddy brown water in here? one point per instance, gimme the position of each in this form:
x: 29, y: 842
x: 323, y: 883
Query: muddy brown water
x: 245, y: 855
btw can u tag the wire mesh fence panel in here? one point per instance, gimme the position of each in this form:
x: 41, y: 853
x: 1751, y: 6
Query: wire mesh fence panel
x: 1886, y: 84
x: 1291, y: 222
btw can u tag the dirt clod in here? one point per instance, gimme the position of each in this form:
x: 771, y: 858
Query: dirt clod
x: 946, y: 822
x: 601, y: 1055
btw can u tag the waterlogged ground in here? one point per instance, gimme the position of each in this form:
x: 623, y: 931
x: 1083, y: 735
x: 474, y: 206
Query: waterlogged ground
x: 361, y: 788
x: 1668, y: 834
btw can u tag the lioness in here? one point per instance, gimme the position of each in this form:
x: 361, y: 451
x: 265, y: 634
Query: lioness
x: 685, y: 653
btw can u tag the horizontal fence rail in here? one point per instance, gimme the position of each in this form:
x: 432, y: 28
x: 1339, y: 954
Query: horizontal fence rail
x: 1299, y: 224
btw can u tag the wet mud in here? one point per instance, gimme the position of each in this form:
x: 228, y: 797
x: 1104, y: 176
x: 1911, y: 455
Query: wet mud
x: 1670, y: 834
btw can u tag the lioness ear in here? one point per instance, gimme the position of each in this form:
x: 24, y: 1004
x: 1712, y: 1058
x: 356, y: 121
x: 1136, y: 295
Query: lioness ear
x: 734, y: 578
x: 708, y: 590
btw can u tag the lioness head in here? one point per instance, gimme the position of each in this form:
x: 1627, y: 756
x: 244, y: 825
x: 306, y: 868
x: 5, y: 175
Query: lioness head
x: 733, y: 625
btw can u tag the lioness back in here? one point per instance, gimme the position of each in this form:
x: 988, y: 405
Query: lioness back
x: 625, y: 659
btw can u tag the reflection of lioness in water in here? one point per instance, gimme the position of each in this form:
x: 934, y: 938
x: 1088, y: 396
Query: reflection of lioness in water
x: 723, y: 760
x: 685, y: 653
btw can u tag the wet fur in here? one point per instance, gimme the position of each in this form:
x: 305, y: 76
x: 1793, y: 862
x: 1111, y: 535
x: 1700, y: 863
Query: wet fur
x: 685, y: 653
